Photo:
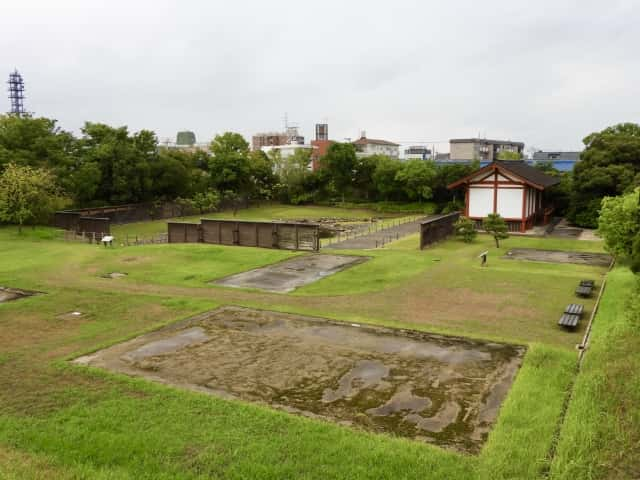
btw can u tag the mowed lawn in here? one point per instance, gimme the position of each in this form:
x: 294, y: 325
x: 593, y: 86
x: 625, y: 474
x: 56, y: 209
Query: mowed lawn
x: 266, y: 212
x: 62, y: 421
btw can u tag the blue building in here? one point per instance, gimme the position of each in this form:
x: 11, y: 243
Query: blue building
x: 563, y: 161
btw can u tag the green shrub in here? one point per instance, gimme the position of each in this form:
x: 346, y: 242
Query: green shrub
x: 465, y: 229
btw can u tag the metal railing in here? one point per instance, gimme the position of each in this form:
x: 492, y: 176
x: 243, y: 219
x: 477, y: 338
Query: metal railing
x: 126, y: 241
x: 373, y: 227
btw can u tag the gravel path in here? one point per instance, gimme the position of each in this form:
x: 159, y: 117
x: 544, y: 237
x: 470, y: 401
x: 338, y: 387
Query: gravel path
x: 379, y: 238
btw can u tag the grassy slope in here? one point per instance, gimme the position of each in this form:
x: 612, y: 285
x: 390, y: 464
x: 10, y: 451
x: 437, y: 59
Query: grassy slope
x: 600, y: 438
x: 264, y: 212
x: 89, y: 424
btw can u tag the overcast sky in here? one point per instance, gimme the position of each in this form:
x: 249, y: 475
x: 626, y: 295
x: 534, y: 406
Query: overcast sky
x: 545, y: 72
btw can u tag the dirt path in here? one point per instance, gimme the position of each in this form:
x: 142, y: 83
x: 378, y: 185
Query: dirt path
x: 379, y: 238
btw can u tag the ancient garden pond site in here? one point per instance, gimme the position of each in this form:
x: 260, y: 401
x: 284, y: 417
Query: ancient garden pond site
x: 432, y: 388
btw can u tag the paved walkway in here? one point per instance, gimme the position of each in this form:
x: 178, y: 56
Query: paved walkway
x: 379, y: 238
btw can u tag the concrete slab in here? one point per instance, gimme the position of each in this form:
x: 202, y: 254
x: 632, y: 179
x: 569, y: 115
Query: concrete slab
x: 443, y: 390
x: 559, y: 256
x: 8, y: 294
x: 286, y: 276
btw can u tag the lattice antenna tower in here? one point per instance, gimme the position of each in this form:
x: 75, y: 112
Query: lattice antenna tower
x: 16, y: 93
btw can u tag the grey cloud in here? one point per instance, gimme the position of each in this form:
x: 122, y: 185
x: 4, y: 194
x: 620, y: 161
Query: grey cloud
x: 546, y: 72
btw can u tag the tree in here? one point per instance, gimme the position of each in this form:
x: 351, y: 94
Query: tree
x: 340, y: 162
x: 294, y: 173
x: 385, y: 178
x: 229, y: 164
x: 206, y: 201
x: 608, y: 166
x: 465, y: 229
x: 447, y: 174
x: 171, y: 175
x: 416, y: 177
x: 263, y: 177
x: 34, y: 141
x: 619, y: 224
x: 495, y: 226
x: 125, y: 163
x: 27, y: 194
x: 363, y: 183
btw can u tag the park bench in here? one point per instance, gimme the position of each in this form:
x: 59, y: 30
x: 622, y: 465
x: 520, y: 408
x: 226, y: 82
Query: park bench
x: 568, y: 320
x: 571, y: 315
x: 585, y: 288
x: 574, y: 309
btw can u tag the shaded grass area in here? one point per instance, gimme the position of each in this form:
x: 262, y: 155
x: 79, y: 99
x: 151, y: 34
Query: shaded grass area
x: 267, y: 212
x: 600, y: 438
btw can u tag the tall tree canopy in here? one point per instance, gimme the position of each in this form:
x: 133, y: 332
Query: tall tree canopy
x: 34, y: 141
x: 124, y: 163
x: 340, y: 162
x: 609, y: 166
x: 385, y: 178
x: 229, y: 164
x: 27, y: 194
x: 417, y: 176
x: 619, y: 224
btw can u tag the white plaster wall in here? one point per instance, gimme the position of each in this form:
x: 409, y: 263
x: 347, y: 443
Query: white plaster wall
x: 480, y: 202
x: 510, y: 202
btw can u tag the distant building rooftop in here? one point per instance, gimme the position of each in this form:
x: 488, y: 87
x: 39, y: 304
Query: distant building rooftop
x: 485, y: 141
x: 548, y: 156
x: 373, y: 141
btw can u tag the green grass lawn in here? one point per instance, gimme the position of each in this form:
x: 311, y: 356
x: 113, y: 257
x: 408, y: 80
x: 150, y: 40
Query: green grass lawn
x: 267, y: 212
x: 62, y: 421
x: 600, y: 438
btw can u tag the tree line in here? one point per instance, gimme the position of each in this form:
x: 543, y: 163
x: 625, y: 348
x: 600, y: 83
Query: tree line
x: 108, y: 165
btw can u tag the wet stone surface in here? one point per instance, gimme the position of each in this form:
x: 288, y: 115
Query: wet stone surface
x: 558, y: 256
x: 286, y: 276
x: 443, y: 390
x: 8, y: 294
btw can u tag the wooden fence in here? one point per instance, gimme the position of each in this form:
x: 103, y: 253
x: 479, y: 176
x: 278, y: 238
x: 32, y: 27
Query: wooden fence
x: 437, y: 228
x: 76, y: 222
x: 281, y: 235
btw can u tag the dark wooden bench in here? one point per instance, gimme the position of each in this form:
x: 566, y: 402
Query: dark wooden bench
x: 568, y: 320
x: 585, y: 288
x: 583, y: 291
x: 574, y: 309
